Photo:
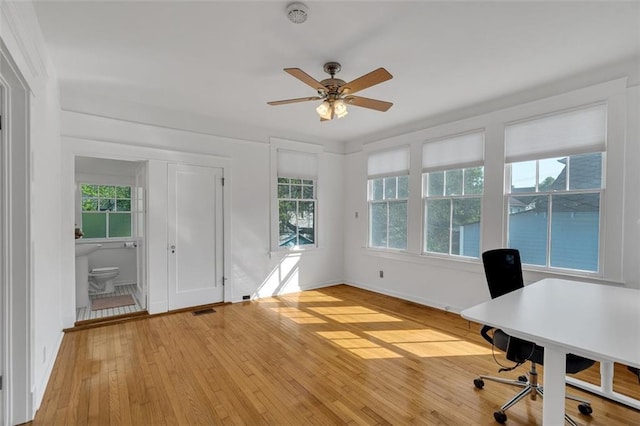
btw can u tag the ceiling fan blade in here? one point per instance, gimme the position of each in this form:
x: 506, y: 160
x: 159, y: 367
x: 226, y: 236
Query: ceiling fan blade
x: 292, y: 101
x: 367, y: 80
x: 368, y: 103
x: 305, y: 78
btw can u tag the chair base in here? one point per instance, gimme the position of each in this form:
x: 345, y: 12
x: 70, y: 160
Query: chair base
x: 529, y: 387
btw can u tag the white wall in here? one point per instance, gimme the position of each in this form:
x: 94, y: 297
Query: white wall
x: 252, y: 268
x: 455, y: 284
x: 21, y: 34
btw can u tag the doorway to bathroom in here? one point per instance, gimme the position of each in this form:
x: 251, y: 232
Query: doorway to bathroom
x: 110, y: 211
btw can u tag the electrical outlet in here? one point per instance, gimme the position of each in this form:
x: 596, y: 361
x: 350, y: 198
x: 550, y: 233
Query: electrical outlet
x: 381, y: 274
x: 246, y: 297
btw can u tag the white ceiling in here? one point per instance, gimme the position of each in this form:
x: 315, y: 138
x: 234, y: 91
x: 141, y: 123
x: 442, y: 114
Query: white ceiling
x: 224, y: 60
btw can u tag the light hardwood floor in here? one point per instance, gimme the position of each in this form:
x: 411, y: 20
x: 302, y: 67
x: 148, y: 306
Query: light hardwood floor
x: 338, y: 355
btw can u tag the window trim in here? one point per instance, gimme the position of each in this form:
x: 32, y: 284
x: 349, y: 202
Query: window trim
x: 276, y: 144
x: 387, y: 202
x: 298, y: 200
x: 132, y: 211
x: 451, y: 198
x: 601, y: 215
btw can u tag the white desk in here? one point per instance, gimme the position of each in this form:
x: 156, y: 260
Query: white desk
x: 595, y: 321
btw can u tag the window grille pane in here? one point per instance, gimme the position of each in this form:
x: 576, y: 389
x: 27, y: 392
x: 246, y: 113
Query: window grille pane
x: 377, y: 188
x: 438, y: 219
x: 436, y: 184
x: 474, y: 181
x: 123, y: 205
x: 307, y: 192
x: 296, y: 181
x: 106, y: 205
x: 552, y: 175
x: 528, y: 228
x: 283, y: 180
x: 119, y: 225
x: 94, y: 225
x: 390, y: 188
x: 453, y: 179
x: 89, y: 204
x: 465, y: 239
x: 296, y: 191
x: 106, y: 191
x: 398, y: 225
x: 523, y: 177
x: 283, y: 191
x: 403, y: 186
x: 378, y: 221
x: 123, y: 192
x: 575, y: 222
x: 306, y: 221
x: 89, y: 190
x: 288, y: 220
x: 585, y: 171
x: 307, y: 182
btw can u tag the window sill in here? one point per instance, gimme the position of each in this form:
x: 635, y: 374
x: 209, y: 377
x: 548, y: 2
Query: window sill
x: 295, y: 251
x: 447, y: 262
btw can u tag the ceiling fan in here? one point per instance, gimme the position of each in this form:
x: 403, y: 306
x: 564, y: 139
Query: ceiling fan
x: 336, y: 94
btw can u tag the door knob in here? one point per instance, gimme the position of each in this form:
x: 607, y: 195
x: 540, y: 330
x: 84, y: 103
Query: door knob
x: 173, y: 249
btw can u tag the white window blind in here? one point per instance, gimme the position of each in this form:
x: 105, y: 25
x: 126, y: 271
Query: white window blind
x: 297, y: 164
x: 459, y: 151
x: 389, y: 163
x: 574, y: 132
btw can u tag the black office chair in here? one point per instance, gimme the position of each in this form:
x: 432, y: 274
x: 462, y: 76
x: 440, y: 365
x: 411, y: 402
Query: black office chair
x: 503, y: 270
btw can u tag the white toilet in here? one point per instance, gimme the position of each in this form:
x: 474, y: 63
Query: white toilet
x: 101, y: 280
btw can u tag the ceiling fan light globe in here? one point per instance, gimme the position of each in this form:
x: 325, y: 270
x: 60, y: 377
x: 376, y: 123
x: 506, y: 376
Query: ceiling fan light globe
x: 324, y: 110
x: 340, y: 108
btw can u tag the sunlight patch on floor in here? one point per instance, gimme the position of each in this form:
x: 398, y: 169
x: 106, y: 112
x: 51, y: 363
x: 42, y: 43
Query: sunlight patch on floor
x: 359, y: 346
x: 296, y: 315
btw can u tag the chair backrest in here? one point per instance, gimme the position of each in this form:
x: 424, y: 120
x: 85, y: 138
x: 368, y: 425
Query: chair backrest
x: 503, y: 270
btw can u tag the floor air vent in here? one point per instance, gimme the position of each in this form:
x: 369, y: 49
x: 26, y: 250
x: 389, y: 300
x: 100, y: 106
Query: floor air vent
x: 204, y: 311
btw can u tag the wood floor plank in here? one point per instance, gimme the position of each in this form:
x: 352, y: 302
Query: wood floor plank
x: 338, y: 355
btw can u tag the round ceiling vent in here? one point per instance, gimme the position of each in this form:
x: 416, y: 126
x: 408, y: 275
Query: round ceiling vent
x: 297, y: 13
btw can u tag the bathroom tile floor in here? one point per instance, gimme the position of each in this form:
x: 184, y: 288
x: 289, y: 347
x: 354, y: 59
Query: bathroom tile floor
x: 86, y: 313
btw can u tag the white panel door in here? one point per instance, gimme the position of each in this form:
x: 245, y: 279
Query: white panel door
x: 195, y: 255
x: 140, y: 211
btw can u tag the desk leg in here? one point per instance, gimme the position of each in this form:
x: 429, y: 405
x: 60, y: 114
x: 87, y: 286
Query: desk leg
x: 606, y: 376
x: 554, y: 386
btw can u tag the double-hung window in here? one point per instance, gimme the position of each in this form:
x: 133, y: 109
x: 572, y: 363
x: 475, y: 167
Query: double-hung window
x: 388, y: 192
x: 297, y: 199
x: 452, y: 188
x: 106, y: 211
x: 555, y: 169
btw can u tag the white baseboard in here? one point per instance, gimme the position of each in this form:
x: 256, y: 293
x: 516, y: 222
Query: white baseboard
x: 410, y: 298
x: 37, y: 393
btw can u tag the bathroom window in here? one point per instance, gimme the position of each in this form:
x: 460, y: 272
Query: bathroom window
x: 106, y: 211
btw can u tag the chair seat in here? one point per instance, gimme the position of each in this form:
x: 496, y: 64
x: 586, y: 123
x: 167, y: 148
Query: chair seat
x: 575, y: 363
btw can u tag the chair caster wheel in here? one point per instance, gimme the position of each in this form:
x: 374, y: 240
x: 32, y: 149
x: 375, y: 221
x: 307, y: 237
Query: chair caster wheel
x: 500, y: 417
x: 479, y: 383
x: 585, y: 409
x: 522, y: 378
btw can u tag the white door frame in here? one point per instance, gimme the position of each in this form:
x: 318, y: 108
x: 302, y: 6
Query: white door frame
x: 15, y: 262
x: 156, y: 239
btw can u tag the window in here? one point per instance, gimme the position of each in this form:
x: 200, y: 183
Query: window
x: 297, y: 199
x: 297, y: 212
x: 452, y: 194
x: 106, y: 211
x: 388, y: 212
x: 554, y: 200
x: 388, y: 192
